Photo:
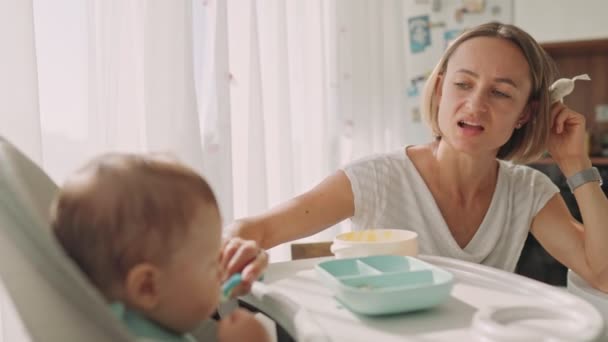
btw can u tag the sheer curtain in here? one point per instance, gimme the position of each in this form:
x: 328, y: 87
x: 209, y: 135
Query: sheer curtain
x: 115, y: 76
x: 81, y: 78
x: 19, y: 107
x: 19, y: 115
x: 265, y: 97
x: 292, y: 90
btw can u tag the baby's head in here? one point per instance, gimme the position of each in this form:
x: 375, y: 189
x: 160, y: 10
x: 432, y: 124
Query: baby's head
x: 147, y: 233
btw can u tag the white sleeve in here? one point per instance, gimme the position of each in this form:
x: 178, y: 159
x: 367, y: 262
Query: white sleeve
x: 365, y: 179
x: 544, y: 190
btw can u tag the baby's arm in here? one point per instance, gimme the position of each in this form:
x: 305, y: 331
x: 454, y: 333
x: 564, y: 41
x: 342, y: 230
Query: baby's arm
x: 239, y: 326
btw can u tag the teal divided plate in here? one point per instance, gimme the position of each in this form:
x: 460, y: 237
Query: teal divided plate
x: 386, y: 284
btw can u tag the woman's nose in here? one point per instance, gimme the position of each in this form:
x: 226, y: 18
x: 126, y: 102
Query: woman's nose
x: 477, y: 102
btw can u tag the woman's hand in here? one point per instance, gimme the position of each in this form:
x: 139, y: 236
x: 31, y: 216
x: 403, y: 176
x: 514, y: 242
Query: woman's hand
x: 567, y: 139
x: 243, y: 256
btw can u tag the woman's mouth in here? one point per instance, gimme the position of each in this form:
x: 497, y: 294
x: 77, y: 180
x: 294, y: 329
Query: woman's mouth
x: 470, y: 125
x: 470, y: 128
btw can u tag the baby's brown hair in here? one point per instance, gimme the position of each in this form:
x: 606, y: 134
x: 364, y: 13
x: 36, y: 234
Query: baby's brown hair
x: 124, y: 209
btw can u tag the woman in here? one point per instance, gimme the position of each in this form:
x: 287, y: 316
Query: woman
x: 487, y: 102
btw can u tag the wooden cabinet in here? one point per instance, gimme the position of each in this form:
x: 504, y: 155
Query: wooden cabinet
x: 585, y: 57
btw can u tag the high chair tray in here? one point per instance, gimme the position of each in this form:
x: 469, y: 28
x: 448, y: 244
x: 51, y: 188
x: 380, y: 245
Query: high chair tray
x: 484, y: 304
x: 385, y: 284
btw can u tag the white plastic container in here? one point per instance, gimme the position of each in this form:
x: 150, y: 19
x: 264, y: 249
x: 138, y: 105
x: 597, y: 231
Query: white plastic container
x: 375, y: 242
x: 485, y: 304
x: 579, y: 287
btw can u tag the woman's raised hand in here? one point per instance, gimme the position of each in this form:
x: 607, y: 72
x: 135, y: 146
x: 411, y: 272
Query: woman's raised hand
x: 567, y: 139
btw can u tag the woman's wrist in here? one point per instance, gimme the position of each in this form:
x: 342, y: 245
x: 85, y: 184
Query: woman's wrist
x: 248, y: 229
x: 572, y: 166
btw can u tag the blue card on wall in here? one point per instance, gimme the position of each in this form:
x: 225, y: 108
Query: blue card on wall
x: 420, y: 33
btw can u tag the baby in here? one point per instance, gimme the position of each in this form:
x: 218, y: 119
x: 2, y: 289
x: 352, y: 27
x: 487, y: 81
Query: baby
x: 147, y: 234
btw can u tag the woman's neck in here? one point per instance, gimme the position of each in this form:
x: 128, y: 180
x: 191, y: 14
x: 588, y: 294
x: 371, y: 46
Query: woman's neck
x: 462, y: 175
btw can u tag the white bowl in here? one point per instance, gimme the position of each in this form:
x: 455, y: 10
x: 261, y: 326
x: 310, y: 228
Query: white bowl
x: 375, y: 242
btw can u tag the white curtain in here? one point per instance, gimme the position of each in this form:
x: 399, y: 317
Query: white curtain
x: 19, y: 115
x: 114, y: 76
x: 264, y: 97
x: 84, y: 77
x: 19, y: 109
x: 293, y: 89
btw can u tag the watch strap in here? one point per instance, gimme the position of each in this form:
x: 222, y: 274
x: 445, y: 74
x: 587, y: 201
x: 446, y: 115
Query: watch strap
x: 582, y: 177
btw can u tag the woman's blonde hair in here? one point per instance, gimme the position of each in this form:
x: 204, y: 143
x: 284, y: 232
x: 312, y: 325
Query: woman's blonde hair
x: 529, y: 142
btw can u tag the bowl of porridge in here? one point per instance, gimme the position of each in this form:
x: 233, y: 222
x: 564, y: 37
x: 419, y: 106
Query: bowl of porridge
x: 375, y: 242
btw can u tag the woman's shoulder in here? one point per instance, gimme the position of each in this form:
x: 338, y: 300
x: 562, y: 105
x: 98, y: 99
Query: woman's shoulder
x: 397, y: 155
x: 517, y: 170
x: 524, y: 175
x: 379, y: 165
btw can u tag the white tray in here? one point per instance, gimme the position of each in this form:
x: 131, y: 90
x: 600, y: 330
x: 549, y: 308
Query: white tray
x: 485, y: 303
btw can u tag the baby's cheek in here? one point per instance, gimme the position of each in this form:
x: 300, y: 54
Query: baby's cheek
x: 204, y: 307
x: 213, y: 295
x: 205, y: 294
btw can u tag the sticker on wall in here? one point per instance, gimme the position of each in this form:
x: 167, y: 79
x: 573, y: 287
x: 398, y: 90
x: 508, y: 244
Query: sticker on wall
x: 449, y: 36
x: 416, y: 83
x: 496, y: 10
x: 469, y: 7
x: 416, y: 115
x: 436, y: 6
x: 474, y: 6
x: 412, y: 90
x: 420, y: 33
x: 437, y: 24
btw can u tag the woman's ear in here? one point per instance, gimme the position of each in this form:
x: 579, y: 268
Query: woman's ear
x: 439, y: 87
x: 526, y: 114
x: 142, y: 286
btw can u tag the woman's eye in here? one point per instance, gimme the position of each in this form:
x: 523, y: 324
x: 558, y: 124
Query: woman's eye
x: 500, y: 94
x: 462, y: 85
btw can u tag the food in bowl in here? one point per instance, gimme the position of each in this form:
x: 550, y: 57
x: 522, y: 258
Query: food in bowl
x: 369, y: 235
x: 375, y: 242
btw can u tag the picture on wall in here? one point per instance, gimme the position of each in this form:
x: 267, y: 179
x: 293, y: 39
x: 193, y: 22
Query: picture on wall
x: 419, y: 32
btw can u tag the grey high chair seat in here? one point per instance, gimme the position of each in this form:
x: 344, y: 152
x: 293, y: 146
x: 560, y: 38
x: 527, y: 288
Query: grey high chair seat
x: 53, y: 299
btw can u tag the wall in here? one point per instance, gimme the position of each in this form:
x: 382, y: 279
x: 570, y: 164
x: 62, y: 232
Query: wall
x: 562, y: 20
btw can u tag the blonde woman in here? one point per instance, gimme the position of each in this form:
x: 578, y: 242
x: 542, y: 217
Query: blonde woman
x: 487, y: 102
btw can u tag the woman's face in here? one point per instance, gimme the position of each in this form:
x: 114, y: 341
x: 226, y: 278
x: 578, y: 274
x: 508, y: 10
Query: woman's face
x: 483, y: 95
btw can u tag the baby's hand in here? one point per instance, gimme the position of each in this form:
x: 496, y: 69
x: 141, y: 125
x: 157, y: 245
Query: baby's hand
x: 239, y: 326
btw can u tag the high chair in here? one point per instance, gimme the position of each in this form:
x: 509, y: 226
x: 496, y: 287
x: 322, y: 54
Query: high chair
x: 40, y: 287
x: 51, y: 296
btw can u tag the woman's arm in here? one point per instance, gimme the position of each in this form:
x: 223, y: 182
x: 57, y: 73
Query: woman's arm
x: 584, y: 249
x: 330, y: 202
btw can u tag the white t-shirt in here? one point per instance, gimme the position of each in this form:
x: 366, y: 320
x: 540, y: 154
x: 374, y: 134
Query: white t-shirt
x: 390, y: 193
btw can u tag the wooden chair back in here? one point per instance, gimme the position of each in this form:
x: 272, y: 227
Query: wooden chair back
x: 310, y: 250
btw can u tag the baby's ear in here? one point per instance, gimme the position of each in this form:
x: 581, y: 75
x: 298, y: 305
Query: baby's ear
x: 142, y: 286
